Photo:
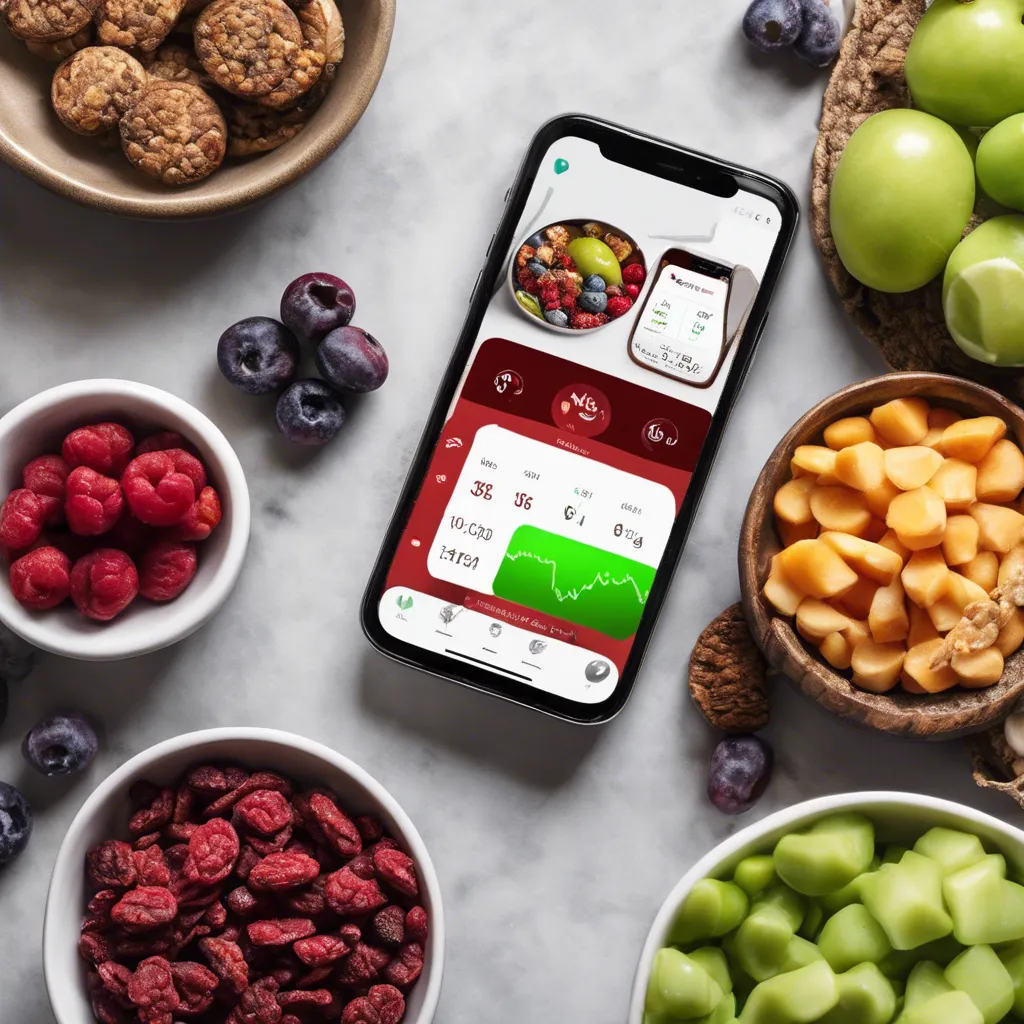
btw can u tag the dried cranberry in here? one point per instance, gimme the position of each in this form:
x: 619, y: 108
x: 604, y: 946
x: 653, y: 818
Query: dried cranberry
x: 111, y: 865
x: 195, y: 985
x: 258, y: 1005
x: 154, y: 814
x: 339, y: 829
x: 151, y: 867
x: 95, y: 948
x: 241, y: 901
x: 314, y: 978
x: 179, y: 833
x: 156, y: 491
x: 100, y: 905
x: 397, y: 870
x: 135, y: 947
x: 264, y: 811
x: 416, y: 925
x: 306, y: 997
x: 351, y: 933
x: 201, y: 519
x: 145, y: 908
x: 227, y: 962
x: 347, y: 894
x: 184, y: 798
x: 247, y: 860
x: 388, y: 926
x: 362, y: 866
x: 282, y: 931
x: 216, y: 916
x: 104, y: 583
x: 21, y: 518
x: 383, y: 1004
x: 363, y: 965
x: 370, y: 829
x: 115, y: 978
x: 280, y: 871
x: 41, y: 579
x: 407, y: 966
x: 93, y: 503
x: 167, y: 569
x: 258, y: 780
x: 264, y: 847
x: 321, y: 950
x: 212, y: 852
x: 144, y: 842
x: 103, y: 447
x: 210, y: 781
x: 310, y: 903
x: 152, y: 989
x: 105, y: 1006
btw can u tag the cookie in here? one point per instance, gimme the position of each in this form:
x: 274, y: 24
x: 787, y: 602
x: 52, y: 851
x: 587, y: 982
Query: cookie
x: 45, y: 21
x: 61, y: 49
x: 136, y: 23
x: 95, y: 87
x: 323, y: 44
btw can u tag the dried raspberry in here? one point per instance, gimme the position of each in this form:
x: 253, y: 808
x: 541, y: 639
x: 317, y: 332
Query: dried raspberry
x: 388, y: 926
x: 184, y: 798
x: 93, y: 503
x: 281, y: 931
x: 383, y: 1004
x: 105, y: 1006
x: 264, y: 847
x: 145, y: 908
x: 156, y: 492
x: 569, y: 302
x: 634, y: 274
x: 152, y: 988
x: 265, y: 812
x: 195, y: 985
x: 110, y: 865
x: 407, y: 966
x: 321, y: 950
x: 210, y: 781
x: 241, y: 902
x: 416, y: 925
x: 201, y: 519
x: 155, y: 813
x: 633, y: 291
x: 166, y: 569
x: 363, y: 965
x: 247, y: 860
x: 115, y: 978
x: 227, y: 962
x: 104, y: 447
x: 47, y: 478
x: 216, y: 916
x: 397, y: 870
x: 362, y: 866
x: 258, y: 1005
x: 581, y: 321
x: 339, y: 829
x: 144, y: 842
x: 549, y: 292
x: 306, y: 997
x: 95, y: 948
x: 554, y: 304
x: 212, y: 851
x: 21, y: 518
x: 258, y: 780
x: 151, y: 866
x: 280, y: 871
x: 370, y: 829
x: 618, y: 305
x: 531, y: 285
x: 347, y: 894
x: 103, y: 584
x: 185, y: 462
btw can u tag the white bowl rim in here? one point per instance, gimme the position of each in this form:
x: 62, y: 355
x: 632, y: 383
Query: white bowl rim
x: 118, y: 779
x: 705, y: 866
x: 113, y: 645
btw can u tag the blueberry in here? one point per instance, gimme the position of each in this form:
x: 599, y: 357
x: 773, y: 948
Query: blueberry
x: 258, y: 355
x: 353, y: 360
x: 594, y: 283
x: 15, y: 823
x: 316, y: 304
x: 773, y: 24
x: 60, y: 745
x: 557, y: 317
x: 739, y: 773
x: 818, y: 44
x: 17, y: 656
x: 310, y: 412
x: 536, y: 267
x: 592, y: 302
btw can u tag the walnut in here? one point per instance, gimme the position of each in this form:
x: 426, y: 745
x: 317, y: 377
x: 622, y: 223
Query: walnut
x: 994, y: 765
x: 546, y: 255
x: 557, y: 235
x: 141, y: 23
x: 95, y: 87
x: 175, y: 133
x: 46, y: 21
x: 1012, y: 588
x: 61, y: 49
x: 727, y: 675
x: 526, y: 253
x: 619, y: 246
x: 593, y: 230
x: 978, y: 629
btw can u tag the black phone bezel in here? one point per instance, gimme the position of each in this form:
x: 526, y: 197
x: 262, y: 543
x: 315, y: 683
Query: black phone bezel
x: 663, y: 159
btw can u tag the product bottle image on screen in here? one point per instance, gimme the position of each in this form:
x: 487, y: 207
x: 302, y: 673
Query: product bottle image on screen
x: 551, y: 495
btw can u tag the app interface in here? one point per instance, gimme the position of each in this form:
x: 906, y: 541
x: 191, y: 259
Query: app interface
x: 534, y: 542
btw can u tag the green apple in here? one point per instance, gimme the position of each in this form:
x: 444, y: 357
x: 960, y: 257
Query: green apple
x: 1000, y: 162
x: 964, y: 63
x: 592, y: 256
x: 983, y: 292
x: 901, y: 197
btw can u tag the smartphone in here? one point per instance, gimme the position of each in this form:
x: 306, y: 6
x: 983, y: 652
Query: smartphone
x: 608, y: 334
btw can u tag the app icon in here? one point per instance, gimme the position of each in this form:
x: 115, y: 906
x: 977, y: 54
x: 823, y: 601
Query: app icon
x: 660, y: 433
x: 597, y: 671
x: 508, y: 383
x: 538, y: 646
x: 582, y: 409
x: 561, y: 166
x: 494, y: 629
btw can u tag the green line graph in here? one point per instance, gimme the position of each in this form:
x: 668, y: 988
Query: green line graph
x: 573, y: 581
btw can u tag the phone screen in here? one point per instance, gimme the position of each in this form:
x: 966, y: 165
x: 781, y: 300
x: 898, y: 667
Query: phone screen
x: 532, y: 547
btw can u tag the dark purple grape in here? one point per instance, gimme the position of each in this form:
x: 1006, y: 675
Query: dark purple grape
x: 15, y: 822
x: 60, y: 745
x: 819, y: 42
x: 739, y: 773
x: 353, y: 360
x: 258, y: 355
x: 773, y: 24
x: 310, y: 412
x: 316, y: 304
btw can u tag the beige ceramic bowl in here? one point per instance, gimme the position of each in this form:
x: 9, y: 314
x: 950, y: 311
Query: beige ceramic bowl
x: 34, y: 141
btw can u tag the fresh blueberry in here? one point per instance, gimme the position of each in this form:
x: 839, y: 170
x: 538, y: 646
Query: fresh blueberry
x: 17, y: 656
x: 592, y: 302
x: 310, y: 412
x: 819, y: 42
x: 594, y: 283
x: 258, y: 355
x: 60, y: 745
x: 15, y: 823
x: 536, y: 267
x: 773, y: 24
x: 557, y: 317
x: 352, y: 360
x: 316, y: 304
x: 739, y: 773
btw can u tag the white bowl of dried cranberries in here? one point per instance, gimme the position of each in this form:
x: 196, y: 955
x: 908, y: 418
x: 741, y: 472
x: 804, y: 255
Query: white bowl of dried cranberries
x: 248, y: 876
x: 124, y: 522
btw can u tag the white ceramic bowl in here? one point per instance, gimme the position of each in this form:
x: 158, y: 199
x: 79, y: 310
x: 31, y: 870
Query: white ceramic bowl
x: 898, y: 818
x: 38, y: 426
x: 105, y: 815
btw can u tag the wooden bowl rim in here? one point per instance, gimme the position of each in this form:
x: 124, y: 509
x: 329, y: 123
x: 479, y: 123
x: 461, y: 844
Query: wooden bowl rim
x: 939, y: 718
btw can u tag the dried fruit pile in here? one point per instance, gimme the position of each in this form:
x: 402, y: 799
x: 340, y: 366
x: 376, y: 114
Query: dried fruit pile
x: 241, y: 901
x: 243, y: 79
x: 108, y: 520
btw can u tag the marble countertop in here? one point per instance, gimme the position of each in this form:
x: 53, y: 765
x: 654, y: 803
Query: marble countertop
x: 555, y: 844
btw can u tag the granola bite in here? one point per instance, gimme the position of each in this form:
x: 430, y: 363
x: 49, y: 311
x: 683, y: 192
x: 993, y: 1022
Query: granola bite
x: 141, y: 23
x: 248, y: 46
x: 61, y: 49
x: 46, y: 21
x: 622, y: 249
x: 175, y: 133
x: 174, y: 63
x: 95, y: 87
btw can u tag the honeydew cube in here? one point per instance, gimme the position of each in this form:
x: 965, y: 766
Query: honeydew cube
x: 999, y: 528
x: 856, y: 633
x: 921, y: 628
x: 902, y: 421
x: 761, y: 942
x: 866, y: 996
x: 713, y: 960
x: 879, y: 498
x: 711, y: 909
x: 857, y: 600
x: 1001, y: 472
x: 1011, y: 565
x: 972, y: 439
x: 985, y: 907
x: 869, y: 559
x: 925, y: 577
x: 1013, y: 959
x: 792, y: 500
x: 852, y: 936
x: 926, y: 981
x: 960, y: 540
x: 907, y: 901
x: 814, y: 459
x: 827, y: 855
x: 955, y: 482
x: 918, y: 517
x: 1011, y: 636
x: 951, y: 1008
x: 815, y: 568
x: 911, y: 467
x: 679, y: 987
x: 951, y: 849
x: 962, y: 591
x: 893, y: 543
x: 978, y: 669
x: 790, y: 533
x: 982, y: 569
x: 918, y: 666
x: 781, y: 594
x: 849, y: 431
x: 981, y: 974
x: 798, y: 997
x: 861, y: 466
x: 815, y: 619
x: 840, y: 508
x: 755, y: 873
x: 888, y: 619
x: 945, y: 614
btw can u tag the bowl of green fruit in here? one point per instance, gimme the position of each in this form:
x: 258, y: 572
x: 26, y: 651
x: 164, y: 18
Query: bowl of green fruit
x: 860, y: 908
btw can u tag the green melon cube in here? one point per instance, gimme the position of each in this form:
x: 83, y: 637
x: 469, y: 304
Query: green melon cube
x: 986, y: 908
x: 950, y: 849
x: 853, y: 937
x: 866, y: 996
x: 827, y: 856
x: 680, y: 987
x: 906, y: 900
x: 799, y: 997
x: 754, y: 874
x: 982, y: 975
x: 951, y: 1008
x: 711, y: 909
x: 1013, y: 960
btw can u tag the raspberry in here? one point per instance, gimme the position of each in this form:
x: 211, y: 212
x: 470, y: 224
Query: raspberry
x: 321, y: 950
x: 104, y: 447
x: 145, y: 908
x: 363, y: 965
x: 618, y: 305
x: 151, y: 867
x: 156, y: 492
x: 227, y: 961
x: 103, y: 584
x: 347, y: 894
x: 152, y: 988
x: 281, y: 931
x: 581, y: 321
x: 166, y: 569
x: 549, y: 293
x: 93, y: 503
x: 569, y: 302
x: 634, y: 274
x: 264, y: 811
x: 185, y: 462
x: 212, y: 851
x: 388, y: 926
x: 633, y: 291
x: 153, y: 813
x: 47, y: 476
x: 195, y: 986
x: 201, y: 519
x: 416, y: 924
x: 111, y: 865
x: 280, y: 871
x: 339, y: 829
x: 41, y: 579
x: 531, y: 285
x: 21, y: 518
x: 383, y: 1004
x: 397, y: 870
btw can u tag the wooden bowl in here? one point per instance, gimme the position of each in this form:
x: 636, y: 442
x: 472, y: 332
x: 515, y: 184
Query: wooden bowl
x: 940, y: 716
x: 35, y: 142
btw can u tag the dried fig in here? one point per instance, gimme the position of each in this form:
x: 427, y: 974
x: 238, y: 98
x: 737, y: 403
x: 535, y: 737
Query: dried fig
x: 61, y: 49
x: 141, y: 23
x: 95, y: 87
x: 46, y: 21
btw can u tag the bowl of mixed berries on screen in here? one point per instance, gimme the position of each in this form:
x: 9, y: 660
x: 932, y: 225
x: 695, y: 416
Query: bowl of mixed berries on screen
x: 577, y: 275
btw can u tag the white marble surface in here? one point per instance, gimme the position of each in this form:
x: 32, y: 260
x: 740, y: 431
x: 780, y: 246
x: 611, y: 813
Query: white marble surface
x: 555, y: 845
